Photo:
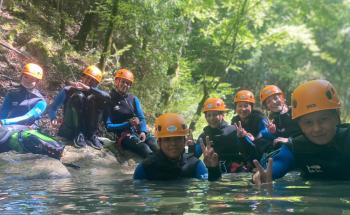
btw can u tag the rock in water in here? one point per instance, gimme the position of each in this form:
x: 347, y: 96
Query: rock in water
x: 31, y: 166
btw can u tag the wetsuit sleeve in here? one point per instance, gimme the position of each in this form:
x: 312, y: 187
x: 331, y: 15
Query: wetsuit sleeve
x: 115, y: 126
x: 100, y: 93
x: 139, y: 172
x: 5, y: 108
x: 283, y: 162
x: 58, y: 101
x: 34, y: 113
x: 139, y: 113
x: 264, y: 131
x: 197, y: 150
x: 201, y: 171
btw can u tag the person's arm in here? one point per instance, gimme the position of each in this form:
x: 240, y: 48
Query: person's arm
x: 283, y: 162
x: 264, y: 131
x: 58, y: 101
x: 34, y: 114
x: 115, y: 126
x: 139, y: 113
x: 139, y: 173
x: 5, y: 108
x: 100, y: 93
x: 196, y: 148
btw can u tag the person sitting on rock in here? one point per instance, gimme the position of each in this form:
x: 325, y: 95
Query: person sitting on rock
x: 22, y: 108
x: 322, y: 151
x: 84, y: 104
x: 24, y: 105
x: 126, y: 119
x: 171, y: 162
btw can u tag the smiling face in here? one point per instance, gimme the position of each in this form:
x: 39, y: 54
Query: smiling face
x: 243, y: 109
x: 28, y: 81
x: 122, y: 85
x: 319, y: 127
x: 275, y: 103
x: 214, y: 118
x: 87, y: 80
x: 172, y: 147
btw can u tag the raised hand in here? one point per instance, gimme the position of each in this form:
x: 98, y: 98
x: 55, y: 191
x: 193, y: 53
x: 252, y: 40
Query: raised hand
x: 241, y: 132
x: 271, y: 126
x: 211, y: 158
x: 189, y: 138
x: 262, y: 176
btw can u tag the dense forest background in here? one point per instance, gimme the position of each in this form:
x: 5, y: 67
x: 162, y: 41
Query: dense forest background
x: 182, y: 51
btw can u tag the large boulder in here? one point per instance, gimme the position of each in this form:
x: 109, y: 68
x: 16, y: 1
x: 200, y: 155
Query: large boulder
x: 31, y: 166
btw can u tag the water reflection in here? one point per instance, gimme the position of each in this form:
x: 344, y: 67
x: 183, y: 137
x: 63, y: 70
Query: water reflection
x: 120, y: 194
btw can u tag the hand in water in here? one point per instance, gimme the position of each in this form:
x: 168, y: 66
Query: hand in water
x: 211, y: 158
x: 263, y: 176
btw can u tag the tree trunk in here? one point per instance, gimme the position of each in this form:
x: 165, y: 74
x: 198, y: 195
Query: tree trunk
x: 108, y: 37
x: 200, y: 106
x: 86, y: 26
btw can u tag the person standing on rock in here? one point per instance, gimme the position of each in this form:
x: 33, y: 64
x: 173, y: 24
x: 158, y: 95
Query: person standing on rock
x: 22, y: 108
x: 126, y: 119
x: 84, y: 105
x: 171, y: 162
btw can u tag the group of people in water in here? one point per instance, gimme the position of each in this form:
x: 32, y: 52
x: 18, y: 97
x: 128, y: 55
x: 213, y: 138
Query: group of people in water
x: 308, y: 135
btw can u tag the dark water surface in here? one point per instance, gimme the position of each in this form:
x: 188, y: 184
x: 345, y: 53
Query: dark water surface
x: 115, y: 195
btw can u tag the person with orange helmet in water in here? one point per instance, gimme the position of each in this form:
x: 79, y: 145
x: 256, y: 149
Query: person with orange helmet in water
x: 171, y: 162
x: 234, y: 153
x: 84, y: 104
x: 126, y: 119
x: 322, y: 151
x: 281, y: 126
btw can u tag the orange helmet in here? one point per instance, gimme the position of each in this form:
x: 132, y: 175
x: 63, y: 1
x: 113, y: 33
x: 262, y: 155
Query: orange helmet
x: 170, y: 125
x: 214, y: 104
x: 125, y: 74
x: 268, y: 91
x: 244, y: 96
x: 314, y: 96
x: 33, y: 70
x: 93, y: 72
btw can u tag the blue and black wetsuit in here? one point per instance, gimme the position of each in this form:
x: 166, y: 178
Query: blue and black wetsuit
x: 82, y: 110
x: 256, y: 124
x: 122, y: 109
x: 22, y: 107
x: 234, y: 153
x: 159, y: 167
x: 330, y: 161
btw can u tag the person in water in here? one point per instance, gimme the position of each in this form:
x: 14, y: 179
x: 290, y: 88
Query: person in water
x: 23, y: 106
x: 84, y: 104
x: 125, y: 117
x: 170, y: 162
x: 233, y: 152
x: 322, y: 150
x: 281, y: 126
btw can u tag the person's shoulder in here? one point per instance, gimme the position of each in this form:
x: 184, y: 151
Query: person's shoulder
x: 258, y: 113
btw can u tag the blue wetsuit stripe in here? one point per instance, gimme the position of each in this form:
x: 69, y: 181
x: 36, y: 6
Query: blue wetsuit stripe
x: 35, y: 113
x: 283, y: 162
